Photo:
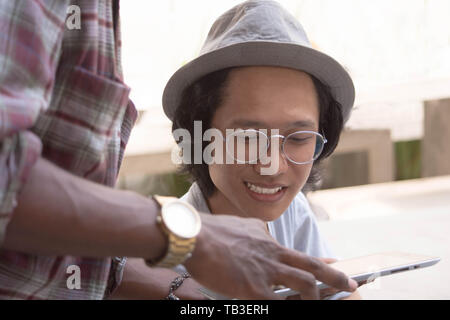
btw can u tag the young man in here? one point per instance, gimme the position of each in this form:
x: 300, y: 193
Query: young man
x: 264, y: 89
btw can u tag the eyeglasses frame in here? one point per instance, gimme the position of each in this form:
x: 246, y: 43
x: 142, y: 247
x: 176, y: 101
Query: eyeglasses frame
x: 283, y: 138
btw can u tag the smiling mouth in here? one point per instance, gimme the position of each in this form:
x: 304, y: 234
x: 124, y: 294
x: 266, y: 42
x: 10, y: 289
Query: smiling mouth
x: 264, y: 190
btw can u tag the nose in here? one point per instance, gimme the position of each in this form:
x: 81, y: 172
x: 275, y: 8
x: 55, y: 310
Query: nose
x: 275, y: 160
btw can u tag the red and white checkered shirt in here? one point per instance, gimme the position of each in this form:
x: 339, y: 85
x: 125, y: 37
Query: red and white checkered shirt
x: 62, y: 97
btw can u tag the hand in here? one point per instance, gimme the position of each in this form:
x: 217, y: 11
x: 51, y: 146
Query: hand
x: 324, y: 292
x: 238, y: 258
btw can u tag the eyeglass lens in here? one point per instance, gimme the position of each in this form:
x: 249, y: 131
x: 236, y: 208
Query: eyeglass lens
x: 250, y: 145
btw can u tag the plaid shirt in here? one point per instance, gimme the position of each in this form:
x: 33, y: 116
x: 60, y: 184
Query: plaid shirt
x: 62, y: 97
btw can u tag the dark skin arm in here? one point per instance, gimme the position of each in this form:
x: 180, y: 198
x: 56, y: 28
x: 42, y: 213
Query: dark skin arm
x: 61, y: 214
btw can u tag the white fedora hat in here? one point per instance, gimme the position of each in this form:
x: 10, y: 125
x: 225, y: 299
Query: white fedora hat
x: 260, y: 33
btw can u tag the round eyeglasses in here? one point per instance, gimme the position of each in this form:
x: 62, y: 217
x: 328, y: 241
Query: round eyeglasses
x: 249, y: 146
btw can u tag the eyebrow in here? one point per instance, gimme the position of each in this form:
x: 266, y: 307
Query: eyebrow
x: 258, y: 124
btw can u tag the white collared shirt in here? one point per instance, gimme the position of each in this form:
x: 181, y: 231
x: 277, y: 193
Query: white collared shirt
x: 295, y: 229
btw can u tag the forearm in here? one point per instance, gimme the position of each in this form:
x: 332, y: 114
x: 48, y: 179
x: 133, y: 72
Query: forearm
x: 61, y: 214
x: 141, y: 282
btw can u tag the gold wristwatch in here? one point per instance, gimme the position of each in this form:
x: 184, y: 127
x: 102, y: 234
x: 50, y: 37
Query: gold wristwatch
x: 181, y: 223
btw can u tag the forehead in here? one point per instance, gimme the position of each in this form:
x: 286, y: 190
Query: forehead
x: 270, y: 96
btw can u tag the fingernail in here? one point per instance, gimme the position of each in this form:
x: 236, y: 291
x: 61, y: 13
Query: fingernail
x: 352, y: 284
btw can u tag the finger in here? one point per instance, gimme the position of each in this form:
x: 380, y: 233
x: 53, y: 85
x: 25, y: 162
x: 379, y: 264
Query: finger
x: 328, y: 292
x: 328, y: 260
x: 298, y: 280
x: 265, y: 295
x: 260, y: 294
x: 321, y: 271
x: 259, y: 290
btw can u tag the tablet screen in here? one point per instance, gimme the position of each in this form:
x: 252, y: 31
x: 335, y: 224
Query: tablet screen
x: 379, y: 262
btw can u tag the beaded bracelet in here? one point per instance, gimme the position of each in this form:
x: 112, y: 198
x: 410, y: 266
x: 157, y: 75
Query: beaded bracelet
x: 175, y: 284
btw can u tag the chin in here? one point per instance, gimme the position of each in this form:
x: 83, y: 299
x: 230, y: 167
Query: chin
x: 266, y: 214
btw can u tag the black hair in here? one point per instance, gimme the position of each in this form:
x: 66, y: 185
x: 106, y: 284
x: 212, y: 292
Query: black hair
x: 200, y: 101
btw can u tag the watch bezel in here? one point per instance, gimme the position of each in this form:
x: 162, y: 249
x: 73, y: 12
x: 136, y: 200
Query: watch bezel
x: 191, y: 209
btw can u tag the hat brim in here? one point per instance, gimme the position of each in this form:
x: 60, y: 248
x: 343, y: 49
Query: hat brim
x: 263, y: 53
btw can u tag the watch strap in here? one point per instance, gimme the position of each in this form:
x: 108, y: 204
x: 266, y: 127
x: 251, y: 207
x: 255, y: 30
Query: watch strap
x: 178, y: 249
x: 178, y: 252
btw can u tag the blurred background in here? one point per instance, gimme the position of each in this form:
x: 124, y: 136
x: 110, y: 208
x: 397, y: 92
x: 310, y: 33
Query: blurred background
x: 387, y: 186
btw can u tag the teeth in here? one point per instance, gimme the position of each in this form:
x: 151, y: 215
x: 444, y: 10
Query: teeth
x: 262, y: 190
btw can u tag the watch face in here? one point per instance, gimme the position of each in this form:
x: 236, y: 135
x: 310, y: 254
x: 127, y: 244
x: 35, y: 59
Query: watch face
x: 181, y: 220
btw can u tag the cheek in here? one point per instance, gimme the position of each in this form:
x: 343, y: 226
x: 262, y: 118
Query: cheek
x: 301, y: 173
x: 223, y: 176
x: 215, y: 172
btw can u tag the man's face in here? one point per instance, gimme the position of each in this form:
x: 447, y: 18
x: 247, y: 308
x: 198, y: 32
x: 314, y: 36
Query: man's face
x: 263, y: 98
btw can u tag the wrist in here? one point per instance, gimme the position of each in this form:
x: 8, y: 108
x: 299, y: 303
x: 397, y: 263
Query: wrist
x: 175, y: 284
x: 201, y: 246
x: 157, y: 243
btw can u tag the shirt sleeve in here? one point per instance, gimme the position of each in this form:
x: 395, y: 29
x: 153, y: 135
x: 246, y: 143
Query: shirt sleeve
x: 30, y: 45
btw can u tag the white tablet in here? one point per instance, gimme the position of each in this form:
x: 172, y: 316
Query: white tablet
x: 368, y: 268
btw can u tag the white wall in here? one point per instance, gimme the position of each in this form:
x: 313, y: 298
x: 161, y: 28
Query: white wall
x: 391, y: 48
